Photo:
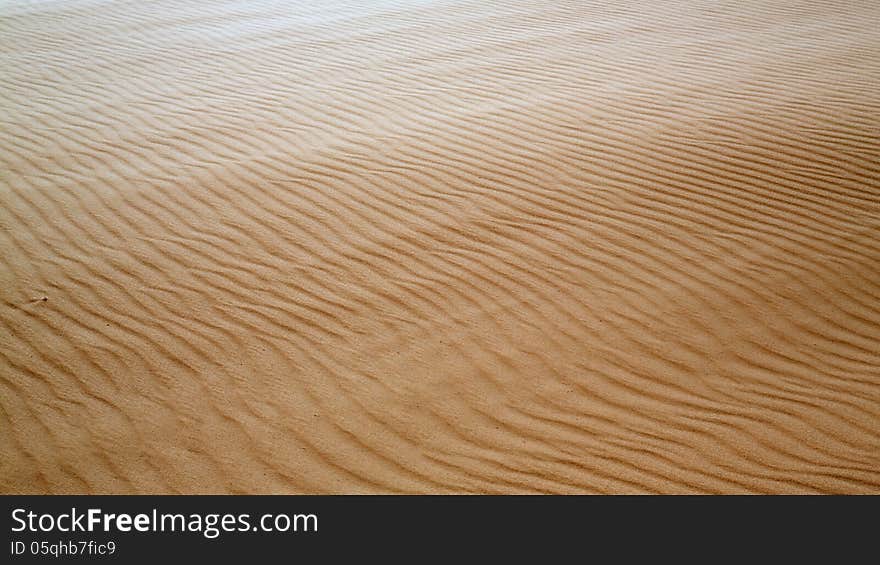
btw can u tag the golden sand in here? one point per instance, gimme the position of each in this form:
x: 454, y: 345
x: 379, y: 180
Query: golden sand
x: 440, y: 246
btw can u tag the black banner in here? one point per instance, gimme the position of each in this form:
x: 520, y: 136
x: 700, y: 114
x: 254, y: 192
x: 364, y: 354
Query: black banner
x: 144, y: 529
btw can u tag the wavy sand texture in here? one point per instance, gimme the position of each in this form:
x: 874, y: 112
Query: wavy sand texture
x: 440, y: 246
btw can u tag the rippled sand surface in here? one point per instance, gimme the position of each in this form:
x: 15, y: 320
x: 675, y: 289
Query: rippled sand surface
x: 440, y: 246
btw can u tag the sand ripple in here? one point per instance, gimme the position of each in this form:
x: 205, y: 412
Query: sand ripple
x: 440, y: 246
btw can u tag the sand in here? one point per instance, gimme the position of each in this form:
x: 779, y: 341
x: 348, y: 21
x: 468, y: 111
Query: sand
x: 440, y: 246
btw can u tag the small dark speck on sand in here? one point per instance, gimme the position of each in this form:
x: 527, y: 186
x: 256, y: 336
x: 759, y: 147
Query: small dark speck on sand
x: 45, y: 298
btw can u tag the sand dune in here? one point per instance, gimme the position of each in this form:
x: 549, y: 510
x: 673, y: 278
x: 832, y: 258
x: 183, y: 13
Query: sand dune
x: 440, y: 246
